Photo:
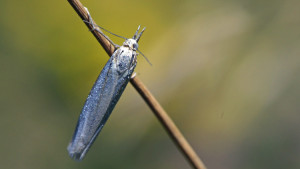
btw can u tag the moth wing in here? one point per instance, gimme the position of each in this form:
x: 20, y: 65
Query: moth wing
x: 94, y: 113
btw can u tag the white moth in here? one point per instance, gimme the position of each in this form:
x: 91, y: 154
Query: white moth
x: 104, y: 95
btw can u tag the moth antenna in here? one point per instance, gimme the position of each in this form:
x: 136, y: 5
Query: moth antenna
x: 111, y: 32
x: 136, y: 33
x: 139, y: 36
x: 145, y: 57
x: 90, y: 21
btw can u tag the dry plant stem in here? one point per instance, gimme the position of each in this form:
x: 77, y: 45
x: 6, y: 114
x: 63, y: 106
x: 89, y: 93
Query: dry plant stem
x: 163, y: 117
x: 79, y: 8
x: 169, y: 125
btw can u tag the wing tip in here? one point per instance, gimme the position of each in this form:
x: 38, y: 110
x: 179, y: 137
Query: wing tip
x: 75, y: 155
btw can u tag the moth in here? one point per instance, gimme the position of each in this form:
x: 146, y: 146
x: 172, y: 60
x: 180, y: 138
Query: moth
x: 104, y: 95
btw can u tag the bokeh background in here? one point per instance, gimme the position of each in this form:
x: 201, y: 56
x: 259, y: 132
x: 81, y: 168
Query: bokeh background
x: 227, y: 72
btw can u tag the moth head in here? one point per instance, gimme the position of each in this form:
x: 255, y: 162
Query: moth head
x: 131, y: 43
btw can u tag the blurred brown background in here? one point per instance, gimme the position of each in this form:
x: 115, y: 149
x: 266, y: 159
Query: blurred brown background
x: 227, y: 72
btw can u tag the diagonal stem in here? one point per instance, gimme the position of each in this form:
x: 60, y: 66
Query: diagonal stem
x: 154, y: 105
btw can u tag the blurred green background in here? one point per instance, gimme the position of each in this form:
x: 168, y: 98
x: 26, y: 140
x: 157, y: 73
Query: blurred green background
x: 227, y: 72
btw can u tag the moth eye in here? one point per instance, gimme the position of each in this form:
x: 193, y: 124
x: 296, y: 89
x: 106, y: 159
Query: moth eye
x: 134, y: 46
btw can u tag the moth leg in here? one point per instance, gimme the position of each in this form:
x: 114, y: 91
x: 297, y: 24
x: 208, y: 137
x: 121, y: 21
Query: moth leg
x: 133, y: 75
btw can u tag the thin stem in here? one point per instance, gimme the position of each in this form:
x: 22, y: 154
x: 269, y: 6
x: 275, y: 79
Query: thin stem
x: 154, y: 105
x: 168, y: 124
x: 79, y: 8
